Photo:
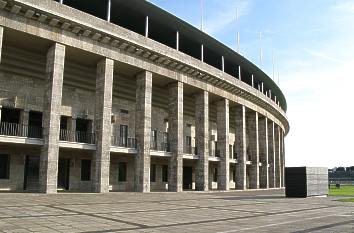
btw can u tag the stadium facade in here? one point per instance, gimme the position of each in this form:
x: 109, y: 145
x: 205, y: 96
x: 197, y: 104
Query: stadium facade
x: 116, y: 95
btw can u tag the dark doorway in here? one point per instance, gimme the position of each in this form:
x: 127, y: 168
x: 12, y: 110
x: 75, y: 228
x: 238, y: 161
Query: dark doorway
x: 63, y: 174
x: 82, y: 128
x: 31, y: 180
x: 187, y: 177
x: 10, y: 115
x: 35, y: 124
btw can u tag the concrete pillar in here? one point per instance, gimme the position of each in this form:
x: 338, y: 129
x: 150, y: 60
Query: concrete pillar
x: 252, y: 80
x: 48, y: 168
x: 109, y: 6
x: 277, y: 155
x: 176, y: 137
x: 0, y: 112
x: 103, y: 111
x: 24, y: 117
x: 1, y: 38
x: 240, y: 140
x: 202, y: 140
x: 223, y: 129
x: 282, y: 159
x: 253, y: 149
x: 202, y: 53
x: 143, y: 131
x: 263, y: 151
x: 271, y: 154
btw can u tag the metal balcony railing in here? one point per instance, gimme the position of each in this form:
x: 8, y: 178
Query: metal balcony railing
x: 214, y: 153
x: 19, y: 130
x: 124, y: 142
x: 190, y: 150
x: 164, y: 146
x: 77, y: 136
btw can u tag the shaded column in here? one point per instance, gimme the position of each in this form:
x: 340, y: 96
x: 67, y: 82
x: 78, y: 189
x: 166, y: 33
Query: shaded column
x: 143, y: 131
x: 103, y: 111
x: 176, y: 137
x: 223, y: 129
x: 277, y: 155
x: 282, y: 156
x: 48, y: 168
x: 1, y: 39
x: 271, y: 154
x: 240, y: 140
x: 253, y: 149
x: 202, y: 140
x: 263, y: 151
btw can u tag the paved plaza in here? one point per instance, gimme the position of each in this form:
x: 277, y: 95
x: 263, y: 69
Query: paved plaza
x: 261, y: 211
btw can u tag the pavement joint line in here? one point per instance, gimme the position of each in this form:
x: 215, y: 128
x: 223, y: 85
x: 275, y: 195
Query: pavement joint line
x: 213, y: 220
x: 102, y: 217
x: 326, y: 226
x: 282, y: 223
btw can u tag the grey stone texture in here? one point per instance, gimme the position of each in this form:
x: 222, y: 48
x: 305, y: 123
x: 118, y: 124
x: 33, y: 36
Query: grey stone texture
x: 202, y: 140
x: 277, y: 156
x: 253, y: 149
x: 241, y: 147
x: 103, y: 111
x: 271, y: 154
x: 71, y: 16
x: 223, y: 131
x: 176, y: 136
x: 22, y: 85
x: 143, y: 131
x: 1, y: 39
x: 263, y: 151
x: 51, y: 118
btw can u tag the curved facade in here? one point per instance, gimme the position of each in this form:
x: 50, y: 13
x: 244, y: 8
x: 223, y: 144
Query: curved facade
x: 122, y: 96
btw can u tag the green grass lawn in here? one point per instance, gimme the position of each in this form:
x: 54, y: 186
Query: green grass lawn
x: 347, y: 200
x: 344, y: 190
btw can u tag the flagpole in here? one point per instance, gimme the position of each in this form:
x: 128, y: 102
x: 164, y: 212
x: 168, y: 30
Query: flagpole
x: 201, y: 15
x: 273, y: 63
x: 260, y: 49
x: 238, y: 31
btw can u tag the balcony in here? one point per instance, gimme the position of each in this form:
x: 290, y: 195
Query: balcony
x: 19, y: 130
x: 164, y: 146
x: 124, y: 142
x: 190, y: 150
x: 214, y: 153
x: 77, y: 136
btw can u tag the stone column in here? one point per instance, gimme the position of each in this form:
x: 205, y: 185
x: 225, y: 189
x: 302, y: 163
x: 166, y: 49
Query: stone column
x: 282, y: 158
x: 263, y: 151
x: 223, y: 129
x: 240, y: 140
x: 253, y: 149
x: 24, y: 117
x: 202, y: 140
x: 176, y: 137
x: 143, y: 131
x: 277, y: 156
x: 103, y: 111
x: 1, y: 38
x: 48, y: 168
x: 271, y: 154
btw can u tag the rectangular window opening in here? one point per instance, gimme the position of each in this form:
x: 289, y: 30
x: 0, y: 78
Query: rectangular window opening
x: 85, y: 170
x: 122, y: 172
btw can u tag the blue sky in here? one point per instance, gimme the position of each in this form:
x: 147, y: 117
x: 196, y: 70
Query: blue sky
x: 313, y: 45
